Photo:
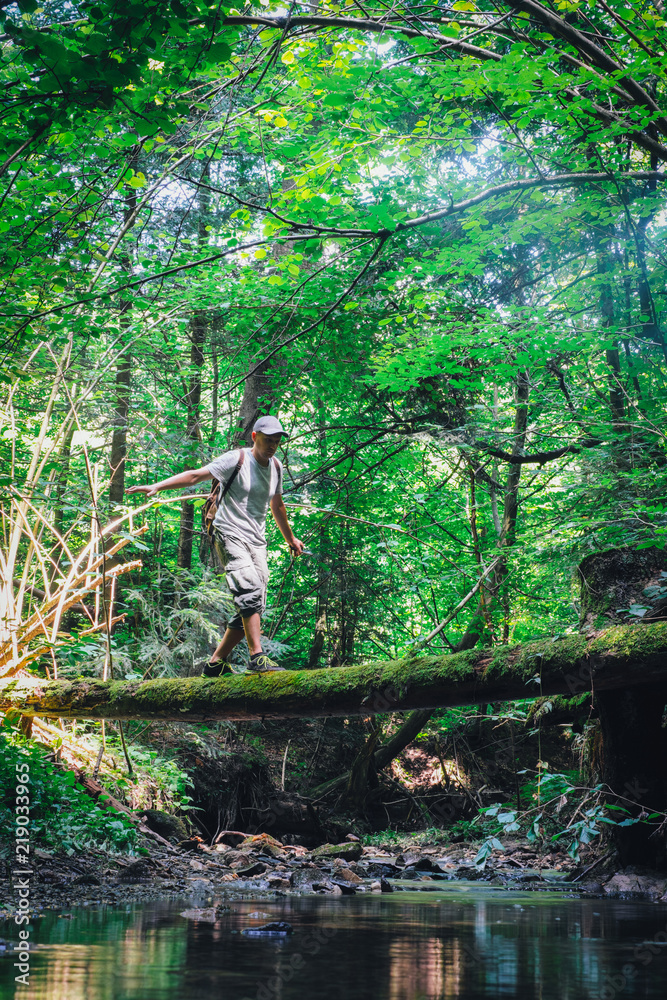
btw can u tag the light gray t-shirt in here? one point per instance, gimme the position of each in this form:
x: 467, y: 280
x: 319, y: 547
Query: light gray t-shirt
x: 242, y: 513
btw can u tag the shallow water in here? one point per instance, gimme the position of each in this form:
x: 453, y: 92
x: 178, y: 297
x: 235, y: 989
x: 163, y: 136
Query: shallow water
x: 460, y: 941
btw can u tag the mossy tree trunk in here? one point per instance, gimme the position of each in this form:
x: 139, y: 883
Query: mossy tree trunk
x: 634, y: 742
x: 618, y: 580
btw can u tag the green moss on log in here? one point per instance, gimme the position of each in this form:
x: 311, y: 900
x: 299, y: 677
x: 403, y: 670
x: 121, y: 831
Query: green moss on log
x: 621, y: 657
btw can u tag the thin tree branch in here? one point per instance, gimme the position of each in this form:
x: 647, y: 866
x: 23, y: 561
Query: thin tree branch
x: 540, y: 457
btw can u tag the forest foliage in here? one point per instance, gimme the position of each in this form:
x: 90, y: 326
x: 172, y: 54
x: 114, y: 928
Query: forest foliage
x: 430, y: 236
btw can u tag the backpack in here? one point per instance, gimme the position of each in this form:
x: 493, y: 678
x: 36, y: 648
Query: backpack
x: 218, y: 493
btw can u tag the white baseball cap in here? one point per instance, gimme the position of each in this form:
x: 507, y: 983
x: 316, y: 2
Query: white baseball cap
x: 270, y: 425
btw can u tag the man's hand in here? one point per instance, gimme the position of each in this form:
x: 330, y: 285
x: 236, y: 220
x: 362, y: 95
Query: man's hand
x: 296, y: 546
x: 150, y: 490
x: 277, y: 505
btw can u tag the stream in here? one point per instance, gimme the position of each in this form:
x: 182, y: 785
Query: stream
x: 461, y: 940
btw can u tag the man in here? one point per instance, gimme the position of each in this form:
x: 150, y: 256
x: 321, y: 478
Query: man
x: 239, y: 535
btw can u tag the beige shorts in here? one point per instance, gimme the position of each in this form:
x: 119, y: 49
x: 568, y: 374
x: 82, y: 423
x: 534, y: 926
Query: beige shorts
x: 247, y: 575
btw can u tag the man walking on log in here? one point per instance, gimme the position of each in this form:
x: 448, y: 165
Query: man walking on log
x: 250, y: 481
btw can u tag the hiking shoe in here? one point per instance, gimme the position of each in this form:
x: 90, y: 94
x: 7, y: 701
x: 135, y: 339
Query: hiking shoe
x: 216, y: 668
x: 260, y: 663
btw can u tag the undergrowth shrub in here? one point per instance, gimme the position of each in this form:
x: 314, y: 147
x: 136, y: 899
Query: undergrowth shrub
x: 62, y: 815
x: 159, y: 782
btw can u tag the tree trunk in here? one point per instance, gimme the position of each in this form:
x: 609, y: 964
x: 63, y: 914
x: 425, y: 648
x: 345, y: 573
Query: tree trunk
x: 122, y: 387
x: 631, y: 721
x: 323, y: 572
x: 622, y: 657
x: 193, y: 396
x: 258, y: 400
x: 384, y: 755
x: 215, y: 393
x: 320, y: 623
x: 605, y: 268
x: 363, y: 778
x: 634, y: 745
x: 479, y: 622
x: 402, y: 738
x: 511, y: 505
x: 650, y: 326
x: 193, y: 433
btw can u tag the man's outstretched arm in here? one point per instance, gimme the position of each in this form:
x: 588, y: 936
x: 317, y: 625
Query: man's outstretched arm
x: 188, y: 478
x: 280, y: 514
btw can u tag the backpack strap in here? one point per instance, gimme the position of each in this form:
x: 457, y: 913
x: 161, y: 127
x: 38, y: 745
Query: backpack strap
x: 216, y: 495
x: 233, y: 476
x: 279, y: 471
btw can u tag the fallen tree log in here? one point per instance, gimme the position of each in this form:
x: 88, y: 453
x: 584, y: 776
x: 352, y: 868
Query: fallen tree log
x: 623, y: 656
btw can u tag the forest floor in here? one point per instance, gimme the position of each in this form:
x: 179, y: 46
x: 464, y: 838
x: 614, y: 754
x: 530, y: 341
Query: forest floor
x: 262, y: 866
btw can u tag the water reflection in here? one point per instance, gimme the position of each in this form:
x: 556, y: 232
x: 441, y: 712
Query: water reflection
x: 462, y: 942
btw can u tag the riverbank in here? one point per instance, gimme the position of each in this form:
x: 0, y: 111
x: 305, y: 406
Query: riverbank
x: 262, y: 866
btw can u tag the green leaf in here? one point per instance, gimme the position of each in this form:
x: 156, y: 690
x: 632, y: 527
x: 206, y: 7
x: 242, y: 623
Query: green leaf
x: 219, y: 52
x: 138, y: 181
